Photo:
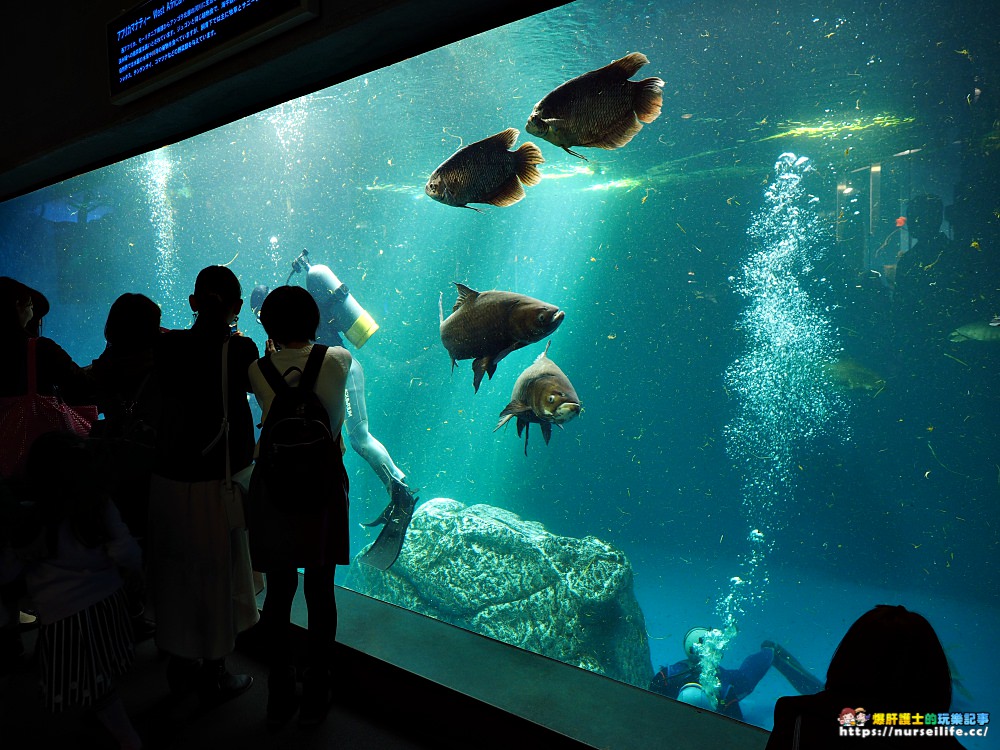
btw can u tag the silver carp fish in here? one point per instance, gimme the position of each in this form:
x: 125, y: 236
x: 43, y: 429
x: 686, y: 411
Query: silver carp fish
x: 542, y: 395
x: 600, y: 109
x: 486, y: 172
x: 487, y: 326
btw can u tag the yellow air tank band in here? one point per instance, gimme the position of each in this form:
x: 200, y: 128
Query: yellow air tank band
x: 362, y: 330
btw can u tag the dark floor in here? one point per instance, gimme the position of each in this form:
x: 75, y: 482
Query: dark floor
x: 406, y: 681
x: 378, y: 707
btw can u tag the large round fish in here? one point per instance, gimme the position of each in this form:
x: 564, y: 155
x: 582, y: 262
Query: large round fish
x: 486, y: 172
x: 487, y: 326
x: 543, y: 395
x: 600, y: 109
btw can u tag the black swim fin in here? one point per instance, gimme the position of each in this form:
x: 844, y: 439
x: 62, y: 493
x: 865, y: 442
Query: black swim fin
x: 385, y: 549
x: 797, y: 675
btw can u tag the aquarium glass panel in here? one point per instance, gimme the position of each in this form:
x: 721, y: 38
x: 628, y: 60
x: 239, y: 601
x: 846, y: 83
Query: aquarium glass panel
x: 710, y: 356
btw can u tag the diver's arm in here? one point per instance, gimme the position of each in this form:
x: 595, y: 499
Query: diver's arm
x: 362, y: 441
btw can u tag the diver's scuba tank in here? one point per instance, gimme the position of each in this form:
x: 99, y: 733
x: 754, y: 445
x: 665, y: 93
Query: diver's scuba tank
x: 695, y: 695
x: 336, y: 303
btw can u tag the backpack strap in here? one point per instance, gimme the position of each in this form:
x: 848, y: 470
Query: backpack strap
x: 271, y: 374
x: 309, y: 375
x: 313, y: 364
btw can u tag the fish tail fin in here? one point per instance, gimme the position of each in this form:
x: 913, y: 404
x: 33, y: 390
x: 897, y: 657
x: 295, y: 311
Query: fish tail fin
x: 648, y: 99
x: 629, y: 65
x: 525, y: 160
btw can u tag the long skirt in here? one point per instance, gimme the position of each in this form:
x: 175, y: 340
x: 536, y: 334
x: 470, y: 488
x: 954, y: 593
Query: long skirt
x: 200, y: 578
x: 82, y: 654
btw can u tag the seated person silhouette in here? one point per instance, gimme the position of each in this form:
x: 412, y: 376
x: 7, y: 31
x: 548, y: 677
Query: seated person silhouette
x: 934, y: 278
x: 890, y: 663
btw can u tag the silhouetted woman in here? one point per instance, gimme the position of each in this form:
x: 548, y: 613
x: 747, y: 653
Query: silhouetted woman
x: 128, y: 399
x: 197, y: 583
x: 890, y: 661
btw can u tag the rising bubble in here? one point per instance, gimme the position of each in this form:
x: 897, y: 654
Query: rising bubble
x: 783, y: 400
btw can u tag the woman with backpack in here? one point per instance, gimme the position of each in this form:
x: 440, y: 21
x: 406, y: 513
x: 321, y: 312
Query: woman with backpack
x: 297, y: 512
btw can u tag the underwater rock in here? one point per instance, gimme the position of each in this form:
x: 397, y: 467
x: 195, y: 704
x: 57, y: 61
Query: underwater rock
x: 485, y: 569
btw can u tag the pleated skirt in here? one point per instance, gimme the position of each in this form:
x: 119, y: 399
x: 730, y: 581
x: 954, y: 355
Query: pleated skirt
x: 81, y: 655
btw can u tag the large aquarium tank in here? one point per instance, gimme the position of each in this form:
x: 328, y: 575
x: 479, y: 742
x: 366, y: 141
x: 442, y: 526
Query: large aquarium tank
x: 780, y: 425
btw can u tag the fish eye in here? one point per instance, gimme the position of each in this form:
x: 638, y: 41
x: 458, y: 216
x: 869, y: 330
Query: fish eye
x: 551, y: 399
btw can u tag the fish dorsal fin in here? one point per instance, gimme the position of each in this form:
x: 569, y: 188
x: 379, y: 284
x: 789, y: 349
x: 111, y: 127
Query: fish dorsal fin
x: 465, y: 294
x: 504, y: 139
x: 545, y: 353
x: 627, y: 66
x: 507, y: 194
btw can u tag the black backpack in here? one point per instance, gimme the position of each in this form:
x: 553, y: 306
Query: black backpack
x: 299, y: 459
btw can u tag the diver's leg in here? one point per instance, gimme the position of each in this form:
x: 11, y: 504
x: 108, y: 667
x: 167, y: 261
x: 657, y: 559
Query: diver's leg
x: 362, y: 441
x: 742, y: 681
x: 797, y: 675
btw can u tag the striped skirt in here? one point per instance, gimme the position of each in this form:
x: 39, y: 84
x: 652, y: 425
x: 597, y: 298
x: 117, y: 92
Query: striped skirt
x: 83, y: 653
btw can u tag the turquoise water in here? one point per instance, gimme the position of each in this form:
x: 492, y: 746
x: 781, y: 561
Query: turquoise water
x: 703, y: 300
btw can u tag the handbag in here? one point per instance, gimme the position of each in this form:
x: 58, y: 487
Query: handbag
x: 26, y: 417
x: 231, y: 494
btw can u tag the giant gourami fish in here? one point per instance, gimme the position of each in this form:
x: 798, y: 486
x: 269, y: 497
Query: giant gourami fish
x: 600, y: 109
x: 486, y: 172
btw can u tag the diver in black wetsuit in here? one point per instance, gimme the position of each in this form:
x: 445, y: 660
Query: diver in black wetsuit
x: 681, y: 679
x: 340, y: 314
